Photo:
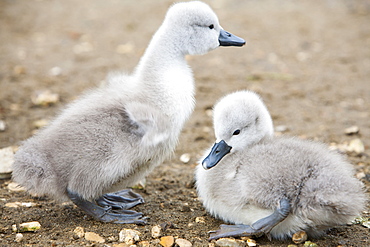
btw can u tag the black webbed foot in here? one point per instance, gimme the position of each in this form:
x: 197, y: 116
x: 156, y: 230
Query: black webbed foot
x: 124, y: 199
x: 262, y: 226
x: 109, y: 210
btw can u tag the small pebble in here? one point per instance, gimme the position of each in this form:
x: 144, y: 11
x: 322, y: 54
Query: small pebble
x: 94, y: 237
x: 310, y: 244
x: 44, y: 98
x: 183, y: 242
x: 78, y: 232
x: 140, y: 185
x: 2, y: 126
x: 21, y: 204
x: 364, y: 221
x: 185, y: 158
x: 67, y: 203
x: 281, y: 128
x: 156, y: 231
x: 29, y: 226
x: 29, y: 204
x: 352, y: 130
x: 251, y: 242
x: 16, y: 187
x: 167, y: 241
x: 200, y: 220
x: 229, y: 242
x: 129, y: 236
x: 55, y: 71
x: 40, y: 123
x: 18, y: 237
x: 14, y: 228
x: 209, y: 112
x: 299, y: 237
x: 360, y: 175
x: 6, y: 162
x: 356, y: 146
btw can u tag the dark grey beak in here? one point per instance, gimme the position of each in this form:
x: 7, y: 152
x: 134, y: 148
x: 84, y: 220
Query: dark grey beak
x: 229, y: 39
x: 218, y: 151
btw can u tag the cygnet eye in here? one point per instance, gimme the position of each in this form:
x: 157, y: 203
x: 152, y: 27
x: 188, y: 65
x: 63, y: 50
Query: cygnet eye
x: 211, y: 26
x: 236, y: 132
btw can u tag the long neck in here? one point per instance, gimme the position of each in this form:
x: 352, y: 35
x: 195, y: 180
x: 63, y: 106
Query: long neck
x: 162, y: 53
x: 165, y: 77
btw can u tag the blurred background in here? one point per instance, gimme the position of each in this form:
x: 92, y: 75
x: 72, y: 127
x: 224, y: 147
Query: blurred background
x: 309, y: 60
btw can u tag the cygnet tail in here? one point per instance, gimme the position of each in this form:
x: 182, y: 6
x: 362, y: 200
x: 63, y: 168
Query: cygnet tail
x: 31, y: 170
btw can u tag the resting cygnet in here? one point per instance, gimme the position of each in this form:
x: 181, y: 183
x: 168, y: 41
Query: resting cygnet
x: 272, y: 185
x: 113, y: 137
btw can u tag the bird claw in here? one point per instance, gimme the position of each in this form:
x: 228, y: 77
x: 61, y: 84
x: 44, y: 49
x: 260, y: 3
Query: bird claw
x: 109, y: 210
x: 123, y: 217
x: 121, y: 200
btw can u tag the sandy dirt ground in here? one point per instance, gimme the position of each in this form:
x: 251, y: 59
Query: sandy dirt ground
x: 309, y: 60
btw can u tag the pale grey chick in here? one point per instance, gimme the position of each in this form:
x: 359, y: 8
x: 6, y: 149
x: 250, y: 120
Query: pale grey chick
x: 272, y: 185
x: 114, y: 136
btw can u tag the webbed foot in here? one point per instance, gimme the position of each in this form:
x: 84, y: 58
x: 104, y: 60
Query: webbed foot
x: 262, y: 226
x: 112, y: 207
x: 124, y: 199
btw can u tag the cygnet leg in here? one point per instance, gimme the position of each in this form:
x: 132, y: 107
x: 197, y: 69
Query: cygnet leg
x: 262, y: 226
x: 106, y: 213
x: 124, y: 199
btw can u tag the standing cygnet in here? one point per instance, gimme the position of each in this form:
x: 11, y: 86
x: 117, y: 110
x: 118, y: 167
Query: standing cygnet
x: 113, y: 137
x: 272, y: 185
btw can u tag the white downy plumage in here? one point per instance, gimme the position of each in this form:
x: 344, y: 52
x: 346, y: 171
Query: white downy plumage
x: 247, y: 183
x: 112, y: 137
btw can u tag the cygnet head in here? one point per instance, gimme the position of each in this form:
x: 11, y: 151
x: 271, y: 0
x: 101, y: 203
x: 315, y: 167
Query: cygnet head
x: 196, y: 28
x: 240, y: 120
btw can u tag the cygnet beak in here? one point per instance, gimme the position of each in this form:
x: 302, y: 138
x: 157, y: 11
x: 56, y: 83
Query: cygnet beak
x: 229, y: 39
x: 218, y: 151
